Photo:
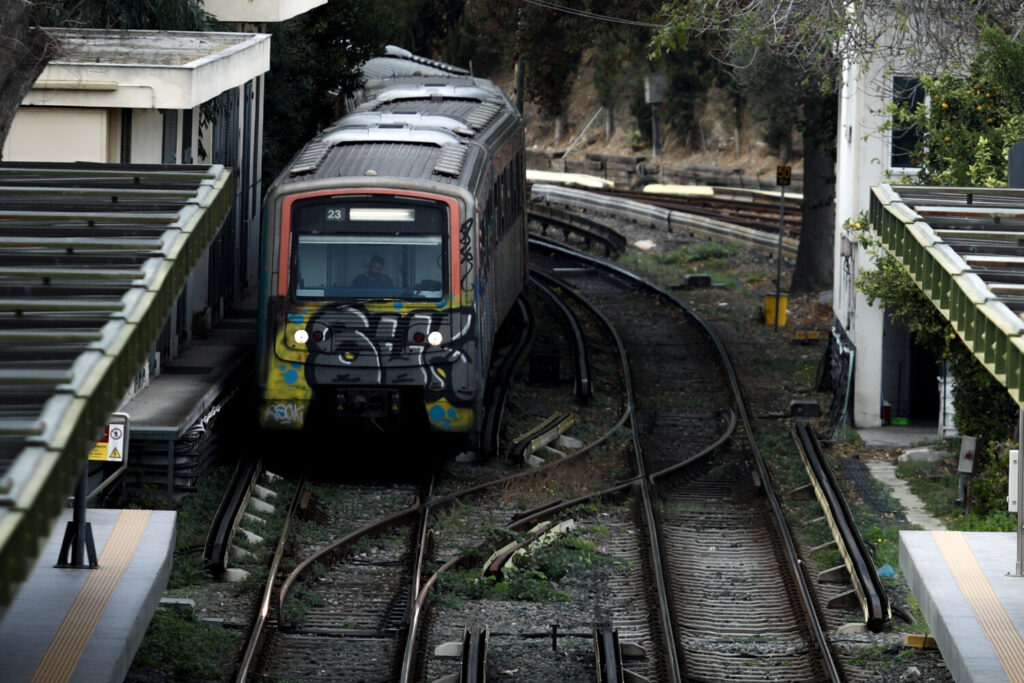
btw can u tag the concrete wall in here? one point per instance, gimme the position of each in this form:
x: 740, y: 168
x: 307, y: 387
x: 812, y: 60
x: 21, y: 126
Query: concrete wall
x: 863, y: 153
x: 60, y: 134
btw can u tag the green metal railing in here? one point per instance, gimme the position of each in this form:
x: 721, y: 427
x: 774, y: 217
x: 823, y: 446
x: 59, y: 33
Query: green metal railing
x: 54, y: 220
x: 903, y: 219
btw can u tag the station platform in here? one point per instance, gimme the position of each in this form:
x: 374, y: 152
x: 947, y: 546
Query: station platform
x: 85, y: 625
x: 196, y: 378
x: 170, y: 418
x: 965, y: 584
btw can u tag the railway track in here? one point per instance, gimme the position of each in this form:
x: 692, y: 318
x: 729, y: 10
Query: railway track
x: 684, y: 385
x: 757, y: 210
x: 696, y: 494
x: 550, y: 205
x: 350, y: 616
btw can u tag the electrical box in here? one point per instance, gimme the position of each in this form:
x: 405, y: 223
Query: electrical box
x: 968, y: 450
x: 1011, y: 499
x: 655, y: 86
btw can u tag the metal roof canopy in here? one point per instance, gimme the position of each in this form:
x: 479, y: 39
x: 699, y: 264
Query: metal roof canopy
x: 92, y: 257
x: 964, y: 247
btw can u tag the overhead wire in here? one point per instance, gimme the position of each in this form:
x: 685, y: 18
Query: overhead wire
x: 591, y: 15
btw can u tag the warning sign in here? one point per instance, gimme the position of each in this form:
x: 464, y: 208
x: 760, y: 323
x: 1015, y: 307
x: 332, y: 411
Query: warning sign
x: 111, y: 447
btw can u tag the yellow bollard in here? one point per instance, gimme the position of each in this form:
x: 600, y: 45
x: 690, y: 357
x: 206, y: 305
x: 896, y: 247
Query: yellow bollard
x: 770, y: 309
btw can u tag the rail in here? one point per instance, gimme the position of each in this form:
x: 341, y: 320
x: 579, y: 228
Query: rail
x: 589, y: 229
x: 582, y: 385
x: 501, y: 374
x: 679, y: 222
x: 255, y: 641
x: 820, y: 641
x: 868, y: 586
x: 229, y: 514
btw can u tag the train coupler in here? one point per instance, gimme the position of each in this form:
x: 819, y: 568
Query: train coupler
x: 369, y: 403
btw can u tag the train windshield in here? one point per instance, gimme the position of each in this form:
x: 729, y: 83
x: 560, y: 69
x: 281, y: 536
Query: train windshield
x: 359, y: 248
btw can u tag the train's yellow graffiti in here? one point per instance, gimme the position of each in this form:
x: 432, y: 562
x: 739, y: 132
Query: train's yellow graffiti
x: 287, y: 394
x: 446, y: 417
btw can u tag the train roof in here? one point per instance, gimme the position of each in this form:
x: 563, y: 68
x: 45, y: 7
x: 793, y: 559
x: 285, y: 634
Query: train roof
x: 396, y: 62
x: 436, y: 128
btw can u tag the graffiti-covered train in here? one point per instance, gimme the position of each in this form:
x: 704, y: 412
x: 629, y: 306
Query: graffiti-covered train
x: 393, y: 247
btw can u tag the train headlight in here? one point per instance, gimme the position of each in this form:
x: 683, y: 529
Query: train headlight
x: 434, y: 338
x: 301, y: 336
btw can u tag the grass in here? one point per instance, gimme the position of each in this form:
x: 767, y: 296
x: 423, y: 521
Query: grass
x: 670, y: 268
x: 535, y: 575
x: 937, y: 485
x: 188, y: 649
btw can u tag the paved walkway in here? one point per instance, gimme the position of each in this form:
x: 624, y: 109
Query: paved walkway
x: 913, y: 506
x: 885, y: 472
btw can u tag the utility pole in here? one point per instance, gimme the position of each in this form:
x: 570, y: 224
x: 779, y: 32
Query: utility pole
x: 655, y: 86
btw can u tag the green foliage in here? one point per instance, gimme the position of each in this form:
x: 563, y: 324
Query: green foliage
x: 995, y: 520
x: 178, y: 643
x: 426, y: 27
x: 532, y: 577
x: 702, y: 251
x: 166, y: 15
x: 983, y: 406
x: 935, y: 483
x: 989, y: 485
x: 299, y: 603
x: 314, y: 62
x: 193, y: 525
x: 973, y: 120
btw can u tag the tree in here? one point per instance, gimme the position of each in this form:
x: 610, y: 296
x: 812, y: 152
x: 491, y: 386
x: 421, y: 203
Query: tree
x: 813, y: 38
x: 974, y: 118
x: 316, y: 60
x: 25, y: 49
x: 161, y: 15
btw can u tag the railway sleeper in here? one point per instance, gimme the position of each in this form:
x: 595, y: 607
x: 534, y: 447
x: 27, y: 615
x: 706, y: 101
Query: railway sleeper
x: 541, y: 435
x: 847, y: 600
x: 837, y: 574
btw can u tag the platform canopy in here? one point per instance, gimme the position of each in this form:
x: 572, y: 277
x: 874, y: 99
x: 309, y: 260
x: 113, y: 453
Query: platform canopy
x: 964, y: 247
x: 147, y: 69
x: 92, y: 257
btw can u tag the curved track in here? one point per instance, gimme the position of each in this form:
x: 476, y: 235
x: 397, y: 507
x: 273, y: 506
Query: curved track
x: 723, y: 539
x: 733, y: 602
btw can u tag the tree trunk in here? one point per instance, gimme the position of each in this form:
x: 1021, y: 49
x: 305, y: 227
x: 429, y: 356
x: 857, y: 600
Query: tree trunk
x: 24, y: 51
x: 813, y: 270
x: 609, y: 122
x: 561, y: 123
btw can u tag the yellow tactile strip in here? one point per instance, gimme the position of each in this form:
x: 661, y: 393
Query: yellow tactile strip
x: 62, y: 655
x: 981, y: 597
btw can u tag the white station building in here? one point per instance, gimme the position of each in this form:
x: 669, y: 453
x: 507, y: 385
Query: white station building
x: 161, y: 97
x: 893, y: 379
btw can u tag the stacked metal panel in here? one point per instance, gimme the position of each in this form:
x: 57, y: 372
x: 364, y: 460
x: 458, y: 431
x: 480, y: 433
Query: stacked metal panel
x: 92, y: 257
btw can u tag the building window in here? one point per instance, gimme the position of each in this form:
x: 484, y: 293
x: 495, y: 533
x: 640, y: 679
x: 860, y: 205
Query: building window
x: 126, y: 136
x: 906, y: 92
x: 170, y: 137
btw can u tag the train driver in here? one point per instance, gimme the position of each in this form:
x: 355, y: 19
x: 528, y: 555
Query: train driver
x: 375, y: 276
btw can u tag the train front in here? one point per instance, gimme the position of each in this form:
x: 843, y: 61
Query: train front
x: 366, y: 316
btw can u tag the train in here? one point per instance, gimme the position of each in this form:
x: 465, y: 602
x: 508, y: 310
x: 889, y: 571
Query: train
x: 393, y: 248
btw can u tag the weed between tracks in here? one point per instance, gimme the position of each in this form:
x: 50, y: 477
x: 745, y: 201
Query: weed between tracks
x: 532, y: 576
